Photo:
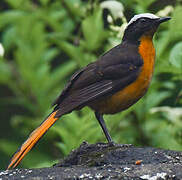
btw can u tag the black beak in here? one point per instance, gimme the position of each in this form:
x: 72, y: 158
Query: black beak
x: 163, y: 19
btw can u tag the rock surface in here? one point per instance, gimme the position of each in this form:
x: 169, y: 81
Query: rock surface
x: 104, y: 161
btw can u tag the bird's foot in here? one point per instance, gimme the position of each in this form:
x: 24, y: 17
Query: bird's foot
x: 113, y: 144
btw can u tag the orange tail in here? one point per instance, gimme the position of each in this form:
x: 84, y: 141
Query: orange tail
x: 32, y: 140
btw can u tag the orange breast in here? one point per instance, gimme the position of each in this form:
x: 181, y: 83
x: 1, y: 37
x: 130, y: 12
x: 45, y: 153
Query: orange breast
x: 132, y: 93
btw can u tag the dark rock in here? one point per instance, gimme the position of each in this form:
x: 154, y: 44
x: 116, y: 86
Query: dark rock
x: 108, y: 161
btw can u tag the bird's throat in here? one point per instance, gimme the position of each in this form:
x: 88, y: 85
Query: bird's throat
x: 147, y: 52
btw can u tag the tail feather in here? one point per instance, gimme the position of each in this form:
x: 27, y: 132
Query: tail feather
x: 32, y: 140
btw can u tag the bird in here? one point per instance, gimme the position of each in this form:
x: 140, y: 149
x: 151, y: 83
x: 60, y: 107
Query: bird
x: 111, y: 84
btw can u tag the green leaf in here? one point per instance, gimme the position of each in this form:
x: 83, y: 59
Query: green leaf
x: 175, y: 25
x: 50, y: 54
x: 93, y: 30
x: 75, y: 8
x: 5, y: 70
x: 75, y: 52
x: 176, y: 56
x: 11, y: 17
x: 15, y: 3
x: 143, y: 5
x: 44, y: 2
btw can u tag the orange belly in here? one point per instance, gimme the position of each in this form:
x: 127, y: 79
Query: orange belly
x: 133, y: 92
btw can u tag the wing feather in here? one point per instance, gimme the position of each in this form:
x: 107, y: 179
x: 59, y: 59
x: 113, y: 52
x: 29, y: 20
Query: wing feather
x: 80, y: 97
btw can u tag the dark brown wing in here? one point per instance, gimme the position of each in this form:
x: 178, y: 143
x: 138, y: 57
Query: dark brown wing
x: 106, y: 76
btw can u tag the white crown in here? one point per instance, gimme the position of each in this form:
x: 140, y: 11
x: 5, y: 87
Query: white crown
x: 144, y: 15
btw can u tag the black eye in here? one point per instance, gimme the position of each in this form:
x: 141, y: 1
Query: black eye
x: 142, y: 20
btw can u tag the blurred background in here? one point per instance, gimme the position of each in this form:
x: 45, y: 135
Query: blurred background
x: 44, y: 41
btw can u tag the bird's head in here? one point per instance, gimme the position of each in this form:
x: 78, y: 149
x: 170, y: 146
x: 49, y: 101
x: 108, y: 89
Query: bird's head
x: 143, y: 25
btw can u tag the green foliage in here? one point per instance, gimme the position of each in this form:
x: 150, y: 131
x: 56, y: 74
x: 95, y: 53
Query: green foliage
x: 176, y: 56
x: 92, y: 24
x: 46, y: 41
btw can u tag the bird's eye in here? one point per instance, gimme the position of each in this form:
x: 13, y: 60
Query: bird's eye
x: 142, y: 20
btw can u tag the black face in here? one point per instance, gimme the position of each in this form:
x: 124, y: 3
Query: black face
x: 142, y: 26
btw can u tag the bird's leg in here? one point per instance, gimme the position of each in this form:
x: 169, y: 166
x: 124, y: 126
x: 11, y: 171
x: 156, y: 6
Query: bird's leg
x: 104, y: 128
